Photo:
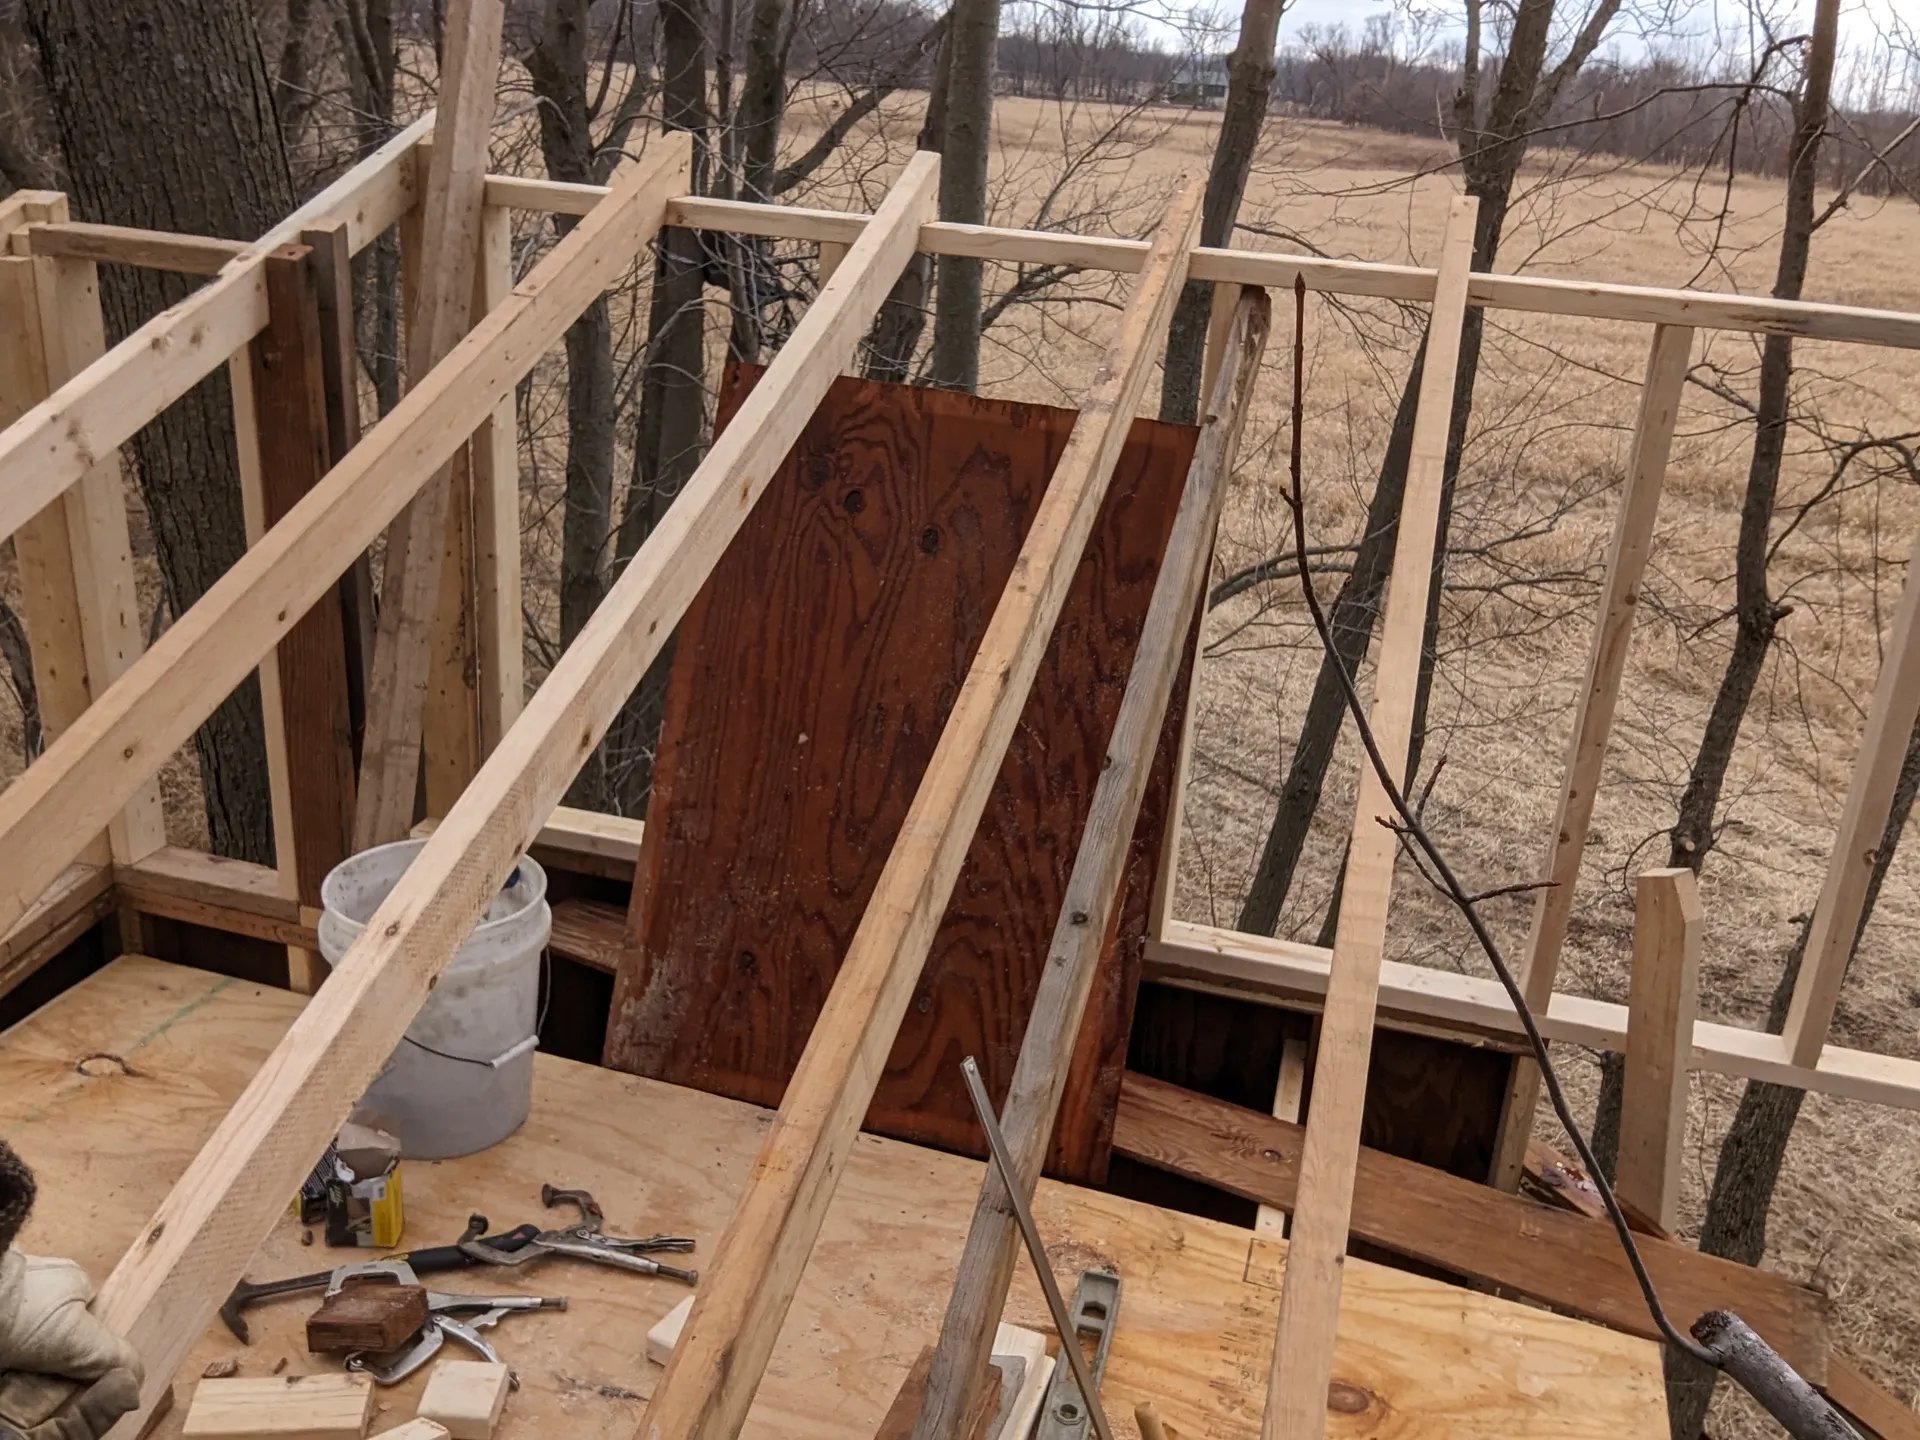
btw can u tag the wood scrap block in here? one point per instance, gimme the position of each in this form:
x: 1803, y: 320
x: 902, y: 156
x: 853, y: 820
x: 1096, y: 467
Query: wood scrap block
x: 467, y: 1397
x: 666, y: 1333
x: 416, y: 1429
x: 374, y: 1314
x: 1021, y: 1397
x: 280, y: 1407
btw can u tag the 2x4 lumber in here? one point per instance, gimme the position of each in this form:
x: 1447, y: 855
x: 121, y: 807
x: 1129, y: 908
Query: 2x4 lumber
x: 1289, y: 1093
x: 1843, y: 894
x: 1662, y: 1004
x: 128, y: 245
x: 314, y: 808
x: 441, y: 312
x: 1166, y: 877
x: 31, y: 207
x: 737, y: 1314
x: 1316, y: 1254
x: 1593, y: 718
x: 131, y: 729
x: 1645, y: 304
x: 79, y: 898
x: 468, y: 701
x: 964, y: 1351
x: 49, y: 594
x: 583, y: 840
x: 167, y: 1286
x: 1563, y: 1259
x: 96, y: 411
x: 1538, y: 294
x: 236, y: 896
x: 76, y: 559
x: 494, y: 461
x: 1284, y: 972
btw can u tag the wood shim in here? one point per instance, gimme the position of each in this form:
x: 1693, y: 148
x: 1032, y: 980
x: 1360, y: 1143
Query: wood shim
x: 1310, y: 1295
x: 1563, y: 1259
x: 170, y: 1282
x: 138, y: 724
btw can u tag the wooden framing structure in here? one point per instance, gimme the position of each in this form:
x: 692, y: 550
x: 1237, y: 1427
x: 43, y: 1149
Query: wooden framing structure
x: 80, y: 826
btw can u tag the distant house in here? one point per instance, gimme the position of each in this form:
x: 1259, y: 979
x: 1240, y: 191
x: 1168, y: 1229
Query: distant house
x: 1200, y: 81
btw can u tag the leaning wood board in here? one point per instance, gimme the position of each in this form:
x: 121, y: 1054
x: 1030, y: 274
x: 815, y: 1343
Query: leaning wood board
x: 111, y: 1089
x: 811, y: 680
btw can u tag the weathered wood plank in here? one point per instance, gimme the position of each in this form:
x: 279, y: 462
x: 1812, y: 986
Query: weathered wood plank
x: 878, y: 553
x: 315, y: 731
x: 1558, y: 1257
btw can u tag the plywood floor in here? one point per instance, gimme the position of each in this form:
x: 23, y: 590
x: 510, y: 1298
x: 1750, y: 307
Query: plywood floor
x: 110, y: 1089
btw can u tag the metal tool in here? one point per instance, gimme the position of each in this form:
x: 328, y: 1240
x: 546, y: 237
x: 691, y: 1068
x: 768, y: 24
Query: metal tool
x: 586, y: 1241
x: 441, y: 1302
x: 391, y: 1369
x: 1037, y: 1251
x: 426, y: 1261
x: 1095, y: 1313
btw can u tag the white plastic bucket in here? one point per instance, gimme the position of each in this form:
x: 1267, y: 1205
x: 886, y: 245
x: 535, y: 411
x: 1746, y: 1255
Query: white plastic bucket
x: 463, y: 1078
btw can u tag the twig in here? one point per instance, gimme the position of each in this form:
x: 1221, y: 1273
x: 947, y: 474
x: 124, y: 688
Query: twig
x: 1412, y: 830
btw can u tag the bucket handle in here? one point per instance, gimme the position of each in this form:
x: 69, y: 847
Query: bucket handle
x: 507, y: 1056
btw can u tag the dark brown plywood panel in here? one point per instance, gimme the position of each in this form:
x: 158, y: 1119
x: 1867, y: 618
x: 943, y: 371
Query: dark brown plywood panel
x: 811, y: 679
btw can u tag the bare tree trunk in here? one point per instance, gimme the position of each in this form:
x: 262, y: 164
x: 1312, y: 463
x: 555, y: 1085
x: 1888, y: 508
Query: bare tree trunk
x: 1756, y: 614
x: 1249, y: 84
x: 18, y: 653
x: 557, y: 67
x: 763, y: 94
x: 672, y: 417
x: 963, y: 188
x: 903, y: 315
x: 364, y: 30
x: 1735, y: 1226
x: 142, y: 148
x: 1491, y: 149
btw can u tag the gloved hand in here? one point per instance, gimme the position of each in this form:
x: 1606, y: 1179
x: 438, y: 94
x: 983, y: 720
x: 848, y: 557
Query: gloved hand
x: 63, y: 1374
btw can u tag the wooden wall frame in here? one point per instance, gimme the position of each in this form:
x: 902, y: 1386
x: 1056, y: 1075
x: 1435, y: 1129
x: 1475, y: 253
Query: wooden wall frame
x: 170, y: 1280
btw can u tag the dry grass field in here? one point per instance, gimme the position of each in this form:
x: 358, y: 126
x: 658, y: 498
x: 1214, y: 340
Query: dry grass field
x: 1537, y: 492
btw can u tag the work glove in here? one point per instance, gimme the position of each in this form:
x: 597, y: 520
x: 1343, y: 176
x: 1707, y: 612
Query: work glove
x: 63, y: 1374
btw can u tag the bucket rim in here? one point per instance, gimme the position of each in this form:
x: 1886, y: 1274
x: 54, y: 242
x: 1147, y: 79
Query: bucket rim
x: 533, y: 874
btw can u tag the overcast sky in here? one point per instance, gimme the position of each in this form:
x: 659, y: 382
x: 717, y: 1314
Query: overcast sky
x: 1862, y: 21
